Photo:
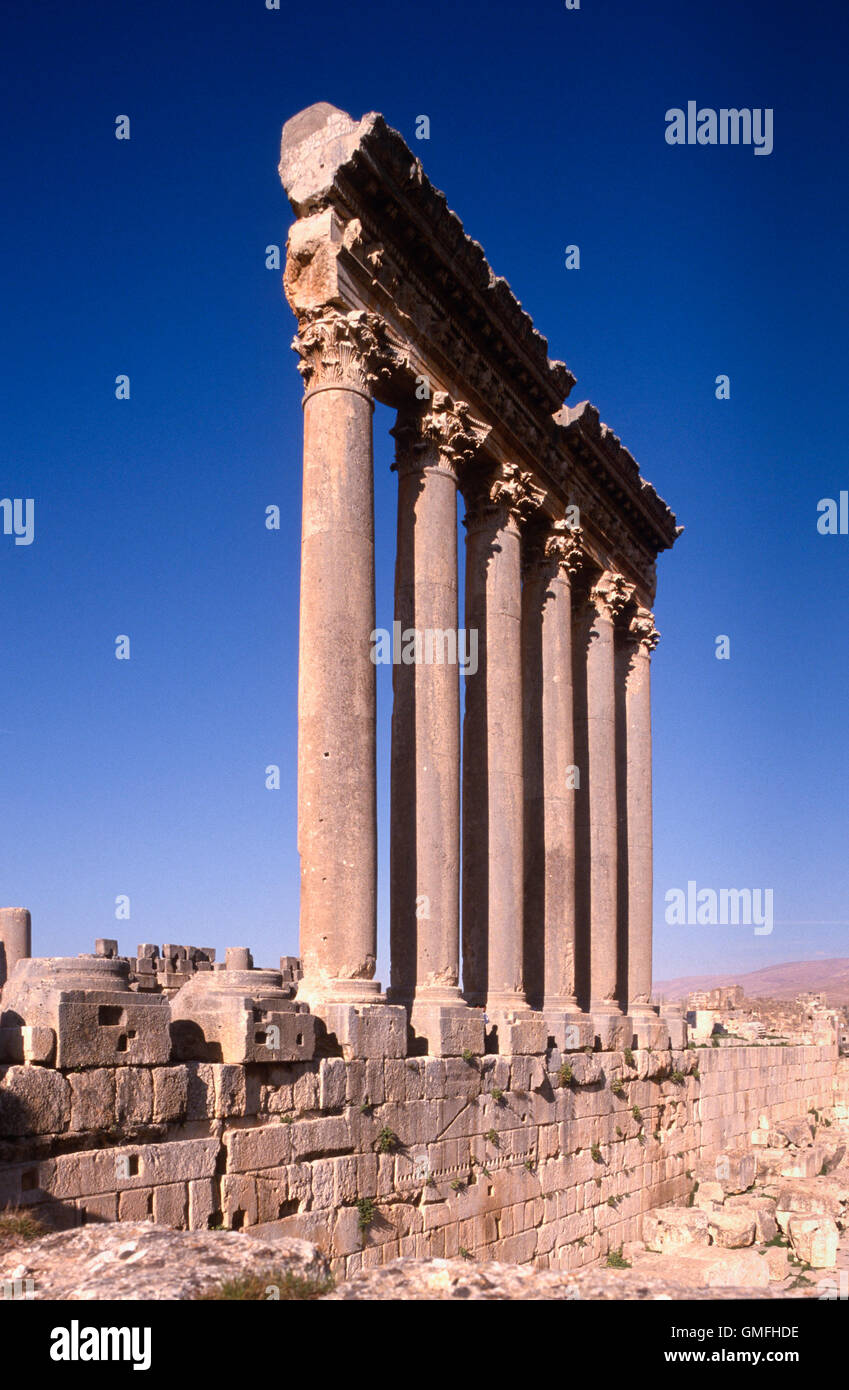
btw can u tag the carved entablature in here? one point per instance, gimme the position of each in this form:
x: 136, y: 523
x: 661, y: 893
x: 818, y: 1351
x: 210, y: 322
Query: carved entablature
x: 374, y: 237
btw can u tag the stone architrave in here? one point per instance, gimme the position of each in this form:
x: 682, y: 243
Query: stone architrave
x: 337, y: 800
x: 432, y: 446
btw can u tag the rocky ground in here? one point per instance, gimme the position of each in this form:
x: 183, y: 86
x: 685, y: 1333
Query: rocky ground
x: 768, y: 1222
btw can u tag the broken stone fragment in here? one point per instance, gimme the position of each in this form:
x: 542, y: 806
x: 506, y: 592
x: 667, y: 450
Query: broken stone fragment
x: 814, y: 1240
x: 668, y: 1229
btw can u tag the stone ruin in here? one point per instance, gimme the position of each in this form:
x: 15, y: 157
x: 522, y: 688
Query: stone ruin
x: 532, y: 1106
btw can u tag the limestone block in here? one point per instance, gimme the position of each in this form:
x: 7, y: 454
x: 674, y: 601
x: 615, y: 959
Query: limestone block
x: 33, y: 1100
x: 804, y: 1163
x: 763, y: 1211
x: 712, y: 1266
x: 236, y: 1016
x: 92, y: 1098
x: 86, y: 1000
x: 170, y: 1205
x: 778, y: 1262
x: 732, y: 1228
x: 238, y: 1200
x: 133, y: 1096
x: 448, y: 1031
x: 667, y: 1229
x: 367, y: 1030
x: 203, y: 1200
x: 136, y: 1205
x: 200, y: 1091
x: 332, y: 1083
x: 522, y: 1036
x: 735, y: 1172
x: 170, y: 1093
x: 709, y: 1196
x: 613, y: 1032
x: 809, y: 1199
x: 814, y: 1240
x: 267, y: 1146
x: 799, y: 1133
x: 25, y: 1044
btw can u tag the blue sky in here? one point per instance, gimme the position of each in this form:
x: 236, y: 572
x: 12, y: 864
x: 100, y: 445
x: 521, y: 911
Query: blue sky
x: 146, y: 257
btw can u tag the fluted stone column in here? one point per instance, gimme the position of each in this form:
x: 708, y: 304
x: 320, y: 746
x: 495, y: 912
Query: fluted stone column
x: 337, y: 816
x: 643, y: 638
x: 553, y: 556
x: 493, y: 800
x: 15, y: 939
x: 425, y: 819
x: 607, y: 600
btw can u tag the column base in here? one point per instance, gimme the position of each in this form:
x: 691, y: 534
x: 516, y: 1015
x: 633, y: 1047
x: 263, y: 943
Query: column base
x: 374, y: 1030
x: 517, y: 1031
x: 614, y: 1031
x: 446, y: 1028
x: 673, y: 1016
x: 571, y: 1029
x: 650, y: 1031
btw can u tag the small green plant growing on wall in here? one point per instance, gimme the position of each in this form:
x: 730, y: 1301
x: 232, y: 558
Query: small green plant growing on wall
x: 456, y: 1185
x: 465, y: 1254
x: 637, y: 1113
x: 468, y: 1056
x: 677, y: 1076
x: 492, y: 1137
x: 365, y: 1213
x: 618, y: 1086
x: 629, y: 1057
x: 387, y: 1140
x: 497, y: 1094
x: 596, y: 1154
x: 565, y: 1074
x: 616, y: 1260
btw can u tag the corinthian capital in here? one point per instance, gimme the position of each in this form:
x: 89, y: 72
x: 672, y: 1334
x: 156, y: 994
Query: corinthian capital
x: 563, y: 546
x: 509, y: 495
x: 446, y: 434
x: 642, y: 632
x: 341, y: 349
x: 611, y: 594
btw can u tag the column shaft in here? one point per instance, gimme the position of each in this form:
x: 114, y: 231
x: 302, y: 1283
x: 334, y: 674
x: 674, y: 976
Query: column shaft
x: 425, y: 853
x: 607, y: 598
x: 639, y: 804
x: 337, y: 818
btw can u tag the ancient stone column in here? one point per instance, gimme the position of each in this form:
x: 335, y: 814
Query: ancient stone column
x: 493, y: 800
x: 337, y: 815
x: 553, y: 555
x: 425, y: 820
x: 15, y: 939
x: 643, y: 638
x: 607, y: 600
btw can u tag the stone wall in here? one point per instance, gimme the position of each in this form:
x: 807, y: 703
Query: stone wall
x: 520, y: 1159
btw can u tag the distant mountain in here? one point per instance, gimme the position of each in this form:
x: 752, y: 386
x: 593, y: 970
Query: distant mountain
x: 773, y: 982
